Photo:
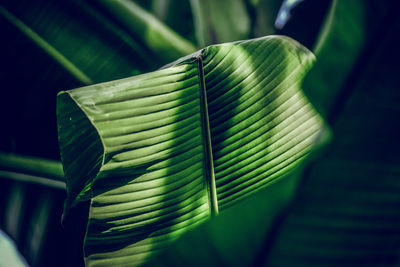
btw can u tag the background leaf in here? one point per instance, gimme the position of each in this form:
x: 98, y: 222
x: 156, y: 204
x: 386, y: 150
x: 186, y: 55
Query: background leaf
x: 159, y: 38
x: 220, y: 21
x: 355, y: 222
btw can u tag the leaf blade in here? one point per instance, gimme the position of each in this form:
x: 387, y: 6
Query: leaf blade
x: 256, y: 105
x: 144, y: 195
x: 152, y: 184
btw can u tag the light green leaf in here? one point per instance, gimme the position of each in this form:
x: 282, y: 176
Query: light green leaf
x: 159, y: 153
x: 261, y: 123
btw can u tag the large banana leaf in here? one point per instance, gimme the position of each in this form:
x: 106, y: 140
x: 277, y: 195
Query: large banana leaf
x: 345, y: 210
x: 159, y: 153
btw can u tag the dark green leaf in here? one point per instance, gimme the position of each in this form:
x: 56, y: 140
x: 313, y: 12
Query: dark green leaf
x: 220, y: 21
x: 346, y: 210
x: 162, y: 40
x: 343, y: 33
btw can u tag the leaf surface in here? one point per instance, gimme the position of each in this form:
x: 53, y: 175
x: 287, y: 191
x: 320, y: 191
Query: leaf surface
x: 145, y: 150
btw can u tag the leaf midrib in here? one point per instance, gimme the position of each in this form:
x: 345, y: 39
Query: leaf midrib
x: 208, y: 159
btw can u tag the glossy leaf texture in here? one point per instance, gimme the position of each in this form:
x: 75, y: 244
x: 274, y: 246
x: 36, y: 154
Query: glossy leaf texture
x: 261, y: 123
x: 140, y: 151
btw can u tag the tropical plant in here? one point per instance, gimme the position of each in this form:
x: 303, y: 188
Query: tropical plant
x: 159, y: 152
x: 343, y: 210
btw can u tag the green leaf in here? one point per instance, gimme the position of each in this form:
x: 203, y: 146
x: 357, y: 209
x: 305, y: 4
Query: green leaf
x: 261, y: 123
x: 48, y: 48
x: 157, y: 36
x: 55, y: 32
x: 53, y: 46
x: 145, y: 150
x: 61, y: 45
x: 49, y: 168
x: 235, y: 237
x: 90, y: 44
x: 266, y: 12
x: 151, y: 175
x: 343, y: 33
x: 31, y: 169
x: 215, y: 23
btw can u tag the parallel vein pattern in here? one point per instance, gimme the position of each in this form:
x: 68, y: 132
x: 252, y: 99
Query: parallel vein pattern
x: 261, y: 123
x: 150, y: 185
x: 140, y: 150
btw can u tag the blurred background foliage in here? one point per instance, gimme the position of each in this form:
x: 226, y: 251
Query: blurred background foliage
x: 344, y: 211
